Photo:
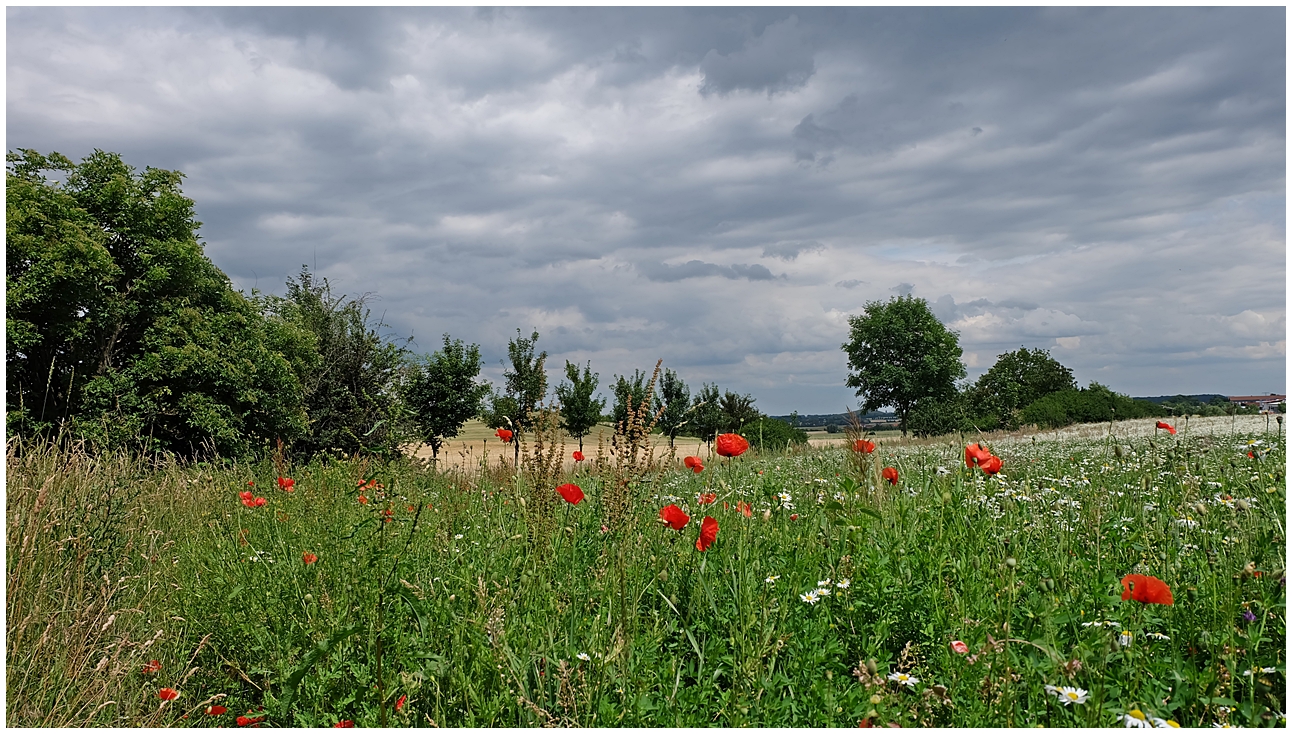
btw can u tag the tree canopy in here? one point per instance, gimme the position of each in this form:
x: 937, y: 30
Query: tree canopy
x: 1017, y: 380
x: 580, y: 409
x: 901, y: 355
x: 441, y: 392
x: 673, y: 403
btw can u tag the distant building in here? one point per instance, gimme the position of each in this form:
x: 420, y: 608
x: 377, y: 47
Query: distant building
x: 1266, y: 403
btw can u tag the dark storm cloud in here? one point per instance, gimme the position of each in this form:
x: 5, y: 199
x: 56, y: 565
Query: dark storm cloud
x: 1104, y: 183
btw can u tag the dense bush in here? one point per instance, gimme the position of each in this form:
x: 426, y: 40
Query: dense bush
x: 771, y: 433
x: 1092, y: 404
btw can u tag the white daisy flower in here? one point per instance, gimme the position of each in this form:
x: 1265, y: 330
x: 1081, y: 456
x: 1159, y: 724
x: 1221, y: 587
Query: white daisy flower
x: 907, y: 680
x: 810, y: 597
x: 583, y: 656
x: 823, y: 592
x: 1165, y: 723
x: 1124, y: 639
x: 843, y: 583
x: 1069, y: 695
x: 823, y: 583
x: 772, y: 579
x: 1135, y: 719
x: 1156, y: 635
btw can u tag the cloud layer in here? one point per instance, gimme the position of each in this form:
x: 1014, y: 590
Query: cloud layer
x: 720, y: 188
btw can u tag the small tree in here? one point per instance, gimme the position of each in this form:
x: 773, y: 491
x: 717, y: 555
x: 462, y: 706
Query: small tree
x: 674, y: 400
x: 900, y: 354
x: 706, y: 419
x: 625, y: 390
x: 441, y: 392
x: 525, y: 386
x: 580, y: 411
x: 737, y: 410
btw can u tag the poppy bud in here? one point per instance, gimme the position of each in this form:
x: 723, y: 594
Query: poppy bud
x: 663, y: 575
x: 872, y: 667
x: 876, y: 699
x: 1192, y: 593
x: 1011, y: 562
x: 767, y: 515
x: 1242, y: 505
x: 946, y: 498
x: 309, y: 598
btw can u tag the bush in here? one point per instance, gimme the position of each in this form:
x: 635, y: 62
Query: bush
x: 1092, y: 404
x: 771, y: 433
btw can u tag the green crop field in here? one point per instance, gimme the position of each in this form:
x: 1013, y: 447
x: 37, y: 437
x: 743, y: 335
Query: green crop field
x: 476, y: 596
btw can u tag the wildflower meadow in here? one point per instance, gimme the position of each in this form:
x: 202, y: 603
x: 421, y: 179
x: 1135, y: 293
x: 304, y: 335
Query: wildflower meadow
x: 1120, y: 576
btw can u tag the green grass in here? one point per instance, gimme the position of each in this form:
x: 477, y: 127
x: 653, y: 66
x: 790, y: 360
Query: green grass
x: 479, y: 617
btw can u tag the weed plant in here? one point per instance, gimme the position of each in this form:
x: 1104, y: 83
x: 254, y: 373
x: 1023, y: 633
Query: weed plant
x: 427, y: 601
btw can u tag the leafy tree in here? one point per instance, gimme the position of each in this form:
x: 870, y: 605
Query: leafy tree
x: 737, y: 410
x: 900, y: 355
x: 707, y: 417
x: 626, y: 390
x: 674, y: 400
x: 525, y: 384
x: 580, y: 410
x: 351, y: 384
x: 1017, y: 380
x: 119, y: 327
x: 441, y: 392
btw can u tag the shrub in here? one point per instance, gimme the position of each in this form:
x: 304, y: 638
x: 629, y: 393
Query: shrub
x: 771, y: 433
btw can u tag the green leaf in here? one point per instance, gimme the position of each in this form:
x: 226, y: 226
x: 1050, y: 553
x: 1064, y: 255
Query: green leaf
x: 321, y: 649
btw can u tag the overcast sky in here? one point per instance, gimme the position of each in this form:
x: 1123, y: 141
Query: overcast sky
x: 720, y: 188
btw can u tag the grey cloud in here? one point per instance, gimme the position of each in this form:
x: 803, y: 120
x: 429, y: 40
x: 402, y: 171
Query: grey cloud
x: 788, y: 251
x: 1110, y: 176
x: 664, y: 273
x: 778, y: 59
x: 903, y: 289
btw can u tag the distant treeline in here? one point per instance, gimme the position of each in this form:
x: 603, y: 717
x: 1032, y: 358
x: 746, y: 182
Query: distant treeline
x: 815, y: 420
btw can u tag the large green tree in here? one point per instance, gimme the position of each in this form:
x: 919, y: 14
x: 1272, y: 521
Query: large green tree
x: 1017, y: 380
x: 441, y: 392
x: 673, y: 403
x: 737, y: 410
x: 580, y: 409
x: 120, y: 328
x: 901, y: 355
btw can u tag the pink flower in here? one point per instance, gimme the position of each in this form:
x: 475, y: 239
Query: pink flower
x: 959, y: 647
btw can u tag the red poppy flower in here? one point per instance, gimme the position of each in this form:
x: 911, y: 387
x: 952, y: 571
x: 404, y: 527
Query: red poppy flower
x: 890, y: 474
x: 216, y: 710
x: 309, y: 558
x: 503, y: 435
x: 1250, y: 455
x: 1146, y: 589
x: 975, y: 454
x: 708, y: 533
x: 708, y: 498
x: 152, y: 666
x: 959, y: 647
x: 168, y: 694
x: 731, y: 444
x: 698, y: 467
x: 862, y: 446
x: 1166, y: 427
x: 244, y: 496
x: 795, y: 516
x: 990, y: 465
x: 251, y: 500
x: 744, y: 508
x: 260, y: 501
x: 578, y: 456
x: 343, y: 724
x: 400, y: 703
x: 674, y: 517
x: 251, y: 483
x: 287, y: 484
x: 571, y: 493
x: 363, y: 500
x: 249, y: 720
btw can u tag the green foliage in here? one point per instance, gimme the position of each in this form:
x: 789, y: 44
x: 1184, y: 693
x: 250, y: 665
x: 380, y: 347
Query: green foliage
x: 769, y: 433
x: 349, y: 383
x: 580, y: 409
x: 441, y: 392
x: 673, y: 403
x: 949, y: 414
x: 629, y: 392
x: 900, y: 355
x: 706, y: 414
x: 737, y: 410
x: 456, y: 612
x: 1216, y: 406
x: 1092, y: 404
x: 118, y: 326
x: 1017, y: 380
